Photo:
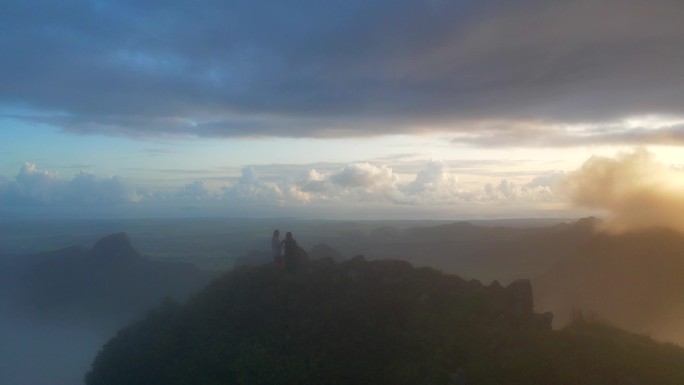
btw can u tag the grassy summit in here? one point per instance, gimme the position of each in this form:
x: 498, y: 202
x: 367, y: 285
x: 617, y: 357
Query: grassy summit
x: 381, y: 322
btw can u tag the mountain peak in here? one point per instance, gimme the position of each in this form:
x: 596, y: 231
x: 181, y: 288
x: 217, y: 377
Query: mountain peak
x: 115, y: 246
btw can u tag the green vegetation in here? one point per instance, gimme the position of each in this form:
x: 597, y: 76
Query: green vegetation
x: 376, y: 322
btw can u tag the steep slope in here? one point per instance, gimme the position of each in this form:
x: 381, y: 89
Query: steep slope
x: 632, y: 280
x: 381, y: 322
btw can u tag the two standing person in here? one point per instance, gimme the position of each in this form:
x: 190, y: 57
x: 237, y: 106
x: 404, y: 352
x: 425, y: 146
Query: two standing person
x: 288, y: 260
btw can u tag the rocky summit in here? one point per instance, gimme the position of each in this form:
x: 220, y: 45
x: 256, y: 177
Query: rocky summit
x: 115, y: 246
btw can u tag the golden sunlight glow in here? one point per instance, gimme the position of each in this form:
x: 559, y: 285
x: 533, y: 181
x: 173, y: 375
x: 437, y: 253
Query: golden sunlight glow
x: 633, y: 187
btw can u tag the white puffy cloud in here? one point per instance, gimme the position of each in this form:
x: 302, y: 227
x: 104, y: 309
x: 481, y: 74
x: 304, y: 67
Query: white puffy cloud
x: 87, y: 189
x: 504, y: 191
x: 312, y: 185
x: 366, y: 176
x: 550, y: 180
x: 351, y: 183
x: 432, y: 184
x: 314, y: 182
x: 435, y: 184
x: 250, y: 188
x: 34, y: 187
x: 281, y: 193
x: 194, y: 191
x: 545, y: 187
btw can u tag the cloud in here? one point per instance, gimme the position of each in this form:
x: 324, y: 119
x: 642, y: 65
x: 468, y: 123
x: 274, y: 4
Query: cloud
x: 335, y: 190
x: 633, y: 188
x: 434, y: 183
x: 504, y: 191
x: 365, y: 175
x: 194, y: 191
x: 545, y: 187
x: 503, y: 134
x: 34, y: 187
x: 350, y: 183
x: 87, y: 189
x: 345, y: 69
x: 550, y: 180
x: 251, y: 189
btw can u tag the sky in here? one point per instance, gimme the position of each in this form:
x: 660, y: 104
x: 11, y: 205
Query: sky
x: 402, y: 109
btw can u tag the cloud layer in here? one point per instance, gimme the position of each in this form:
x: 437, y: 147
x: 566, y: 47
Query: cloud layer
x: 344, y: 68
x: 317, y: 193
x: 633, y: 188
x: 34, y: 187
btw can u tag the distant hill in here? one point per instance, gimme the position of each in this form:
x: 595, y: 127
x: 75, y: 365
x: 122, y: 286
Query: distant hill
x: 110, y: 281
x: 58, y: 308
x: 380, y: 322
x: 633, y: 280
x: 482, y: 252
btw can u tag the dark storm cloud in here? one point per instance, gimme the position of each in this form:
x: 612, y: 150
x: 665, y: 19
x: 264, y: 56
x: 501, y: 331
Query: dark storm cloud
x: 337, y: 68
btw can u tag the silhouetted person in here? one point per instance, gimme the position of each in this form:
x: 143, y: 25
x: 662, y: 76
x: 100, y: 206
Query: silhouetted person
x: 276, y: 248
x: 290, y: 256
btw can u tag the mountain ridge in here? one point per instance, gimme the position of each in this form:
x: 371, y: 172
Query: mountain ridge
x: 376, y: 322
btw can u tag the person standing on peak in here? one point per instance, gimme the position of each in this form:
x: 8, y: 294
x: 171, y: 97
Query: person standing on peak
x: 290, y: 257
x: 276, y: 247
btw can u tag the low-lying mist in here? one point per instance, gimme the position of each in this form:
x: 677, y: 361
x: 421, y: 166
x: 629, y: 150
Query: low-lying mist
x: 35, y: 351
